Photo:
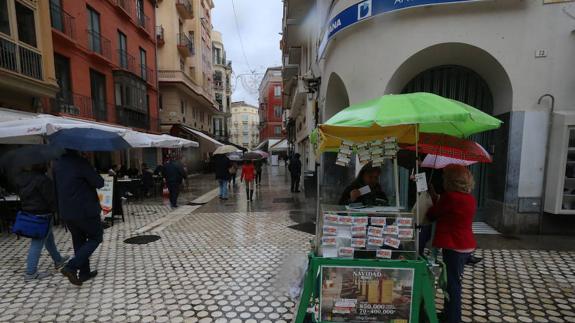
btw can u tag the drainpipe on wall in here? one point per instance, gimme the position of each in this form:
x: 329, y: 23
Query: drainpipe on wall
x: 549, y: 127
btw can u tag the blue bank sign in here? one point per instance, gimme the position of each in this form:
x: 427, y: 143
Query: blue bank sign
x: 371, y: 8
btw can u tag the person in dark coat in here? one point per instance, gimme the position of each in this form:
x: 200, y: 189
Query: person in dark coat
x: 295, y: 171
x: 368, y: 176
x: 79, y: 206
x: 259, y: 168
x: 36, y: 191
x: 147, y: 180
x: 222, y: 166
x: 174, y: 175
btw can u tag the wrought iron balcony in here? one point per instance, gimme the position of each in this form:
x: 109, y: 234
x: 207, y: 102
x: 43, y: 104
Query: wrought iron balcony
x: 185, y: 45
x: 127, y: 61
x: 126, y: 6
x: 160, y: 35
x: 185, y: 9
x: 131, y: 118
x: 62, y: 21
x: 144, y: 22
x: 20, y: 59
x: 99, y: 44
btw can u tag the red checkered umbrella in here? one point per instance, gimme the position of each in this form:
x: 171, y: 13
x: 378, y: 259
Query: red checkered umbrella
x: 452, y: 147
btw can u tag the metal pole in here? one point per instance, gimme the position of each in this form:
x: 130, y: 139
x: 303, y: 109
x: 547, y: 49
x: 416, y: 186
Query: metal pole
x: 548, y: 144
x: 396, y: 175
x: 416, y: 192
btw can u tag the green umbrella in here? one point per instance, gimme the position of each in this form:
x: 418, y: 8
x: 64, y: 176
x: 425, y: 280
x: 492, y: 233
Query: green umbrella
x: 433, y: 114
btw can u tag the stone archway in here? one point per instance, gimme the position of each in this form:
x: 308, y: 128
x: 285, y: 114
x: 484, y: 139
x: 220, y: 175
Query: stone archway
x: 471, y: 75
x: 334, y: 178
x: 336, y: 98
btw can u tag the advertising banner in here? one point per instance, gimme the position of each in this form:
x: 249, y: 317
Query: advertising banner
x: 106, y: 196
x: 371, y: 8
x: 366, y: 294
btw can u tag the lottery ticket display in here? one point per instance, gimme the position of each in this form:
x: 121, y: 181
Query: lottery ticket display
x: 347, y: 234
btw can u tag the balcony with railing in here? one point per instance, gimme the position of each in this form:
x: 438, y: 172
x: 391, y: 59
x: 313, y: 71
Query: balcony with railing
x: 20, y: 58
x: 126, y: 6
x: 126, y: 61
x: 69, y: 103
x: 218, y: 85
x: 132, y: 118
x: 185, y: 9
x: 99, y: 44
x: 148, y: 74
x: 62, y: 21
x: 185, y: 45
x: 160, y: 40
x: 144, y: 23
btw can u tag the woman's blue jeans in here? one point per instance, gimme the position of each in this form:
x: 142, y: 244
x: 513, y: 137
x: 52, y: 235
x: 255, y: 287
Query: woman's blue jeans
x: 36, y: 250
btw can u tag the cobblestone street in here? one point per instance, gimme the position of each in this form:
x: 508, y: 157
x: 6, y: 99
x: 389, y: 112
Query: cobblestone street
x: 224, y: 262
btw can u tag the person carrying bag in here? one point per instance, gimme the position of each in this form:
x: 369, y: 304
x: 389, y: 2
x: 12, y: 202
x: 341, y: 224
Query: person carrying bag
x: 34, y: 221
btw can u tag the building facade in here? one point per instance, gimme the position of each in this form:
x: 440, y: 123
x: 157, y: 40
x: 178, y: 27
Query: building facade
x: 499, y: 56
x: 244, y: 124
x: 185, y: 64
x: 271, y: 104
x: 105, y: 61
x: 26, y: 55
x: 222, y: 87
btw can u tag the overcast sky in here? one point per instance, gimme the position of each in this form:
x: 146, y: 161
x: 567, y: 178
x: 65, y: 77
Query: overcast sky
x: 259, y: 23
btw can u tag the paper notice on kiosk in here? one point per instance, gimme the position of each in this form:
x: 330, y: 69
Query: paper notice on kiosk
x: 421, y: 182
x: 365, y: 190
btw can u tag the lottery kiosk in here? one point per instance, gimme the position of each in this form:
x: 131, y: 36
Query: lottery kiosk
x: 364, y: 266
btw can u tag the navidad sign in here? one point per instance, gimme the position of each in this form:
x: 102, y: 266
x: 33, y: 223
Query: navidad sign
x: 371, y: 8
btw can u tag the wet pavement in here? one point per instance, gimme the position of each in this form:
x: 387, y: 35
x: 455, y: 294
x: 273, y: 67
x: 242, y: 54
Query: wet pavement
x: 229, y: 261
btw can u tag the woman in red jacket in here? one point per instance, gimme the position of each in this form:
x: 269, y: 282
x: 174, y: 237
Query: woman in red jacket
x: 453, y: 212
x: 248, y: 175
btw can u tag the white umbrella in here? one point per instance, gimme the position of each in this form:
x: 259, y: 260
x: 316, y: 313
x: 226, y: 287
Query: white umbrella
x: 225, y: 149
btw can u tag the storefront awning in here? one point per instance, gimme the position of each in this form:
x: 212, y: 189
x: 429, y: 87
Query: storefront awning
x: 202, y: 135
x: 281, y: 145
x: 28, y: 128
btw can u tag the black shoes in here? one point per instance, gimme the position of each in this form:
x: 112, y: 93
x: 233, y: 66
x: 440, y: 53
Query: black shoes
x: 91, y: 275
x: 472, y: 260
x: 72, y: 277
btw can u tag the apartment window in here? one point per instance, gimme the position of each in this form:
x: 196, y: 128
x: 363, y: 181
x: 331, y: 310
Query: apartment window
x: 94, y: 31
x: 245, y: 118
x: 131, y: 92
x: 161, y: 102
x: 62, y: 69
x: 26, y: 24
x: 98, y: 91
x: 143, y: 65
x: 140, y: 12
x: 182, y: 64
x: 277, y: 91
x: 182, y: 107
x: 122, y: 50
x: 277, y: 130
x: 278, y: 111
x: 246, y: 139
x: 4, y: 17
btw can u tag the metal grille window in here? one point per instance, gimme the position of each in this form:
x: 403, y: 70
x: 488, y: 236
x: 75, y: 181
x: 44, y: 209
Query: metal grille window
x: 4, y: 17
x: 26, y: 24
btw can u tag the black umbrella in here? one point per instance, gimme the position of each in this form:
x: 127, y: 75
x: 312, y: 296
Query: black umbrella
x: 29, y: 155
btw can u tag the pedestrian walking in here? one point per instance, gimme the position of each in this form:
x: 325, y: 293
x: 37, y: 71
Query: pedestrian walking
x: 79, y: 206
x: 248, y: 175
x: 222, y: 166
x: 36, y: 191
x: 233, y: 173
x: 174, y: 175
x: 258, y: 166
x: 295, y: 171
x: 454, y: 211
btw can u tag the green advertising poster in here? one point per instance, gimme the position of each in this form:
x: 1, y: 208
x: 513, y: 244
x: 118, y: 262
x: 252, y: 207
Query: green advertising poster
x: 366, y: 294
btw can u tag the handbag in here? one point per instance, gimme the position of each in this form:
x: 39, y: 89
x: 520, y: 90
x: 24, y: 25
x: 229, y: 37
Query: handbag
x: 31, y: 225
x: 425, y: 203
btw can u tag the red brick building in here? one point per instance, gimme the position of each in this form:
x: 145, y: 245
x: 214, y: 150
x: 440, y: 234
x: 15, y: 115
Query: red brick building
x: 271, y: 105
x: 105, y: 61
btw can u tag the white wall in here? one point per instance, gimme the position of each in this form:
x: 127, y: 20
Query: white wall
x: 497, y: 39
